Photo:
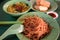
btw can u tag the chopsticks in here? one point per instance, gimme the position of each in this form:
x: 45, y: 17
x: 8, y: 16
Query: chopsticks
x: 11, y: 22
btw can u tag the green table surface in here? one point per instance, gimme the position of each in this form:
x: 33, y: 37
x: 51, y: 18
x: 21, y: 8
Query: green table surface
x: 7, y: 17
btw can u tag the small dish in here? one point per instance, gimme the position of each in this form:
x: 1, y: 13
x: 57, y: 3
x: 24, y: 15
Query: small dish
x: 53, y: 7
x: 5, y: 6
x: 53, y: 14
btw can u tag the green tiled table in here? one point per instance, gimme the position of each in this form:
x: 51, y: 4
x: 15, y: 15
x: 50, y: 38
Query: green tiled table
x: 7, y: 17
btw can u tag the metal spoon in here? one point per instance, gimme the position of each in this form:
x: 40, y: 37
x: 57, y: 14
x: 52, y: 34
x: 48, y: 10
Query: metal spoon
x: 14, y: 29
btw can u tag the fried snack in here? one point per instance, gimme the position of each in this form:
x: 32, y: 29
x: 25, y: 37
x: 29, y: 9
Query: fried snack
x: 18, y: 7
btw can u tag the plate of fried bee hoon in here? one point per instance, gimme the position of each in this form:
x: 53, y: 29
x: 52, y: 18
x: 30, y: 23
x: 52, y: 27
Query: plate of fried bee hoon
x: 38, y: 26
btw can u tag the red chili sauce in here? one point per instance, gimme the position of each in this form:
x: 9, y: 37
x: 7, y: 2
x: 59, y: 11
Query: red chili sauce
x: 52, y: 14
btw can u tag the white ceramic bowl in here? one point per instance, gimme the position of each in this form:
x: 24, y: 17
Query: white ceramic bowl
x: 55, y: 13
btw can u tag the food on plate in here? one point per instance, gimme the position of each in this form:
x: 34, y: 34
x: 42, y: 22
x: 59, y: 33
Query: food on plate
x: 18, y: 7
x: 42, y: 3
x: 45, y: 3
x: 42, y: 8
x: 11, y: 9
x: 36, y: 7
x: 35, y: 28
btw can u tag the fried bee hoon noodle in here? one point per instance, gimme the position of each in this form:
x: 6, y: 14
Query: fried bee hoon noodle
x: 35, y: 28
